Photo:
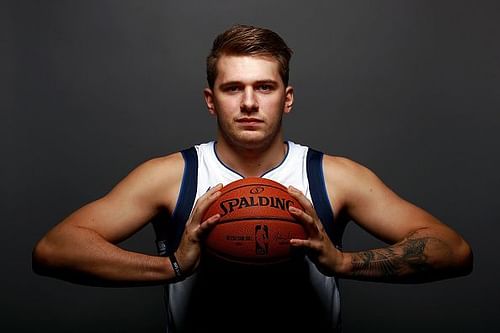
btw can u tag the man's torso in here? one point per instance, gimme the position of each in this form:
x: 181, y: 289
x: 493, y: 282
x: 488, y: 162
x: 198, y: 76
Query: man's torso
x: 227, y: 297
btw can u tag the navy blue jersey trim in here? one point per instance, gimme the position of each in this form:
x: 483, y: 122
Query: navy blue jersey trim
x: 187, y: 195
x: 189, y: 179
x: 283, y: 161
x: 239, y: 174
x: 318, y: 190
x: 224, y: 164
x: 169, y: 233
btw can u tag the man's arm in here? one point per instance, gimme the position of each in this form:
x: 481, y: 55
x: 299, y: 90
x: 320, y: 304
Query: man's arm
x: 83, y: 247
x: 421, y: 247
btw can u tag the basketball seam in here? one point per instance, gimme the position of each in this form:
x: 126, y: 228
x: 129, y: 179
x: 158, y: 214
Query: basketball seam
x: 255, y: 184
x: 258, y: 218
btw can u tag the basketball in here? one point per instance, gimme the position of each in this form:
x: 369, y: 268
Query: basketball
x: 255, y: 225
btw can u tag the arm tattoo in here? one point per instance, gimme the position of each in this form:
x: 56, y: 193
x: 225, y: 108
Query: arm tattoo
x: 405, y: 258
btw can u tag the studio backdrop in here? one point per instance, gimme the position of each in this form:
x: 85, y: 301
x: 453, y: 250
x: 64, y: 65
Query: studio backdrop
x: 94, y: 88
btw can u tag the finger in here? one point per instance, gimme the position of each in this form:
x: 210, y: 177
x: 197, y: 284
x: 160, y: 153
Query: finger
x: 210, y: 192
x: 205, y: 201
x: 303, y: 201
x: 206, y: 226
x: 210, y: 222
x: 306, y: 220
x: 304, y: 244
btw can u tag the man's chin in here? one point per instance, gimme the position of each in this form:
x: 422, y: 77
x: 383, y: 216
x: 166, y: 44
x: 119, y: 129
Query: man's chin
x: 251, y: 141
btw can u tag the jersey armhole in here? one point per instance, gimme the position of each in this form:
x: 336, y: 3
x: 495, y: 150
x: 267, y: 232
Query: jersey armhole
x: 188, y: 184
x: 168, y: 235
x: 319, y: 194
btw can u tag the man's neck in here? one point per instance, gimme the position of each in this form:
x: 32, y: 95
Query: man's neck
x: 252, y: 162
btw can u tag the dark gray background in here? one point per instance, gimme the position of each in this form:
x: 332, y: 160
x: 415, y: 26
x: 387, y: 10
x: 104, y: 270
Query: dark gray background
x: 91, y: 89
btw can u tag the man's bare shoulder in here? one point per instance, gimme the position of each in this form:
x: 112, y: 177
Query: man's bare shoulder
x: 344, y: 177
x: 159, y: 178
x: 160, y: 169
x: 342, y: 167
x: 164, y: 165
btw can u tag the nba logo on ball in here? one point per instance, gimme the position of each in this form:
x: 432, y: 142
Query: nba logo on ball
x: 261, y: 239
x: 255, y: 225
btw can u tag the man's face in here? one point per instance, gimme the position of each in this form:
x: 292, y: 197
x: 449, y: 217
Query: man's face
x: 249, y: 99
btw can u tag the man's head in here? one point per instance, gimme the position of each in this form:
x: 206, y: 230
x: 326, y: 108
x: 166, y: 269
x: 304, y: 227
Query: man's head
x: 247, y: 72
x: 245, y: 40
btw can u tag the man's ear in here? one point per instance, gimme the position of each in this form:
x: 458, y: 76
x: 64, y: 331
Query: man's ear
x: 209, y: 100
x: 288, y: 99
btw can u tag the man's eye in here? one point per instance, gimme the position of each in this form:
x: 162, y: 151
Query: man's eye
x: 265, y: 87
x: 232, y: 88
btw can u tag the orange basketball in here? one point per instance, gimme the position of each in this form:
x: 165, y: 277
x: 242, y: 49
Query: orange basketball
x: 255, y: 225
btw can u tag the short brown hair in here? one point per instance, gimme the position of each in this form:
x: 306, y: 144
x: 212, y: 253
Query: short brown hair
x: 249, y: 40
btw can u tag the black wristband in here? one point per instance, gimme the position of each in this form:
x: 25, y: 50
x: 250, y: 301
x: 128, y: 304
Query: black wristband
x: 176, y: 267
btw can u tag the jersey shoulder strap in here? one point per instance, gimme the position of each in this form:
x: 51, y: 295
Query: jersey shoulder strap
x: 169, y: 233
x: 319, y: 194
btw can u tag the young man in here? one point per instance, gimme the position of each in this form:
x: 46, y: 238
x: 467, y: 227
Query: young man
x: 248, y: 93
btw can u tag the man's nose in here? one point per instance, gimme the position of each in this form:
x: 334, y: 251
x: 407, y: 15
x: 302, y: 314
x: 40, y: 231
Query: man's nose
x: 249, y: 101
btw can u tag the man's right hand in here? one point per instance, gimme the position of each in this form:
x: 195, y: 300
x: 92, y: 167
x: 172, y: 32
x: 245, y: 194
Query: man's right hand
x: 189, y: 251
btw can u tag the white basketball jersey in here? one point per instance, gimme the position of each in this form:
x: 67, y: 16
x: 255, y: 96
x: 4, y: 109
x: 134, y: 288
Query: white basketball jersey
x: 292, y: 171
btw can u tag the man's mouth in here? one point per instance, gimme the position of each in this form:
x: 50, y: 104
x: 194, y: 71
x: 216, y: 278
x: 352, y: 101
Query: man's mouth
x: 249, y: 120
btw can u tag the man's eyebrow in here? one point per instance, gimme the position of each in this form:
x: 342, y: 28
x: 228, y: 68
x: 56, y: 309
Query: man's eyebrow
x: 230, y: 83
x: 273, y: 82
x: 233, y: 83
